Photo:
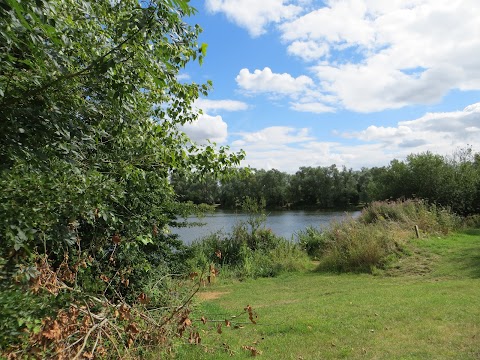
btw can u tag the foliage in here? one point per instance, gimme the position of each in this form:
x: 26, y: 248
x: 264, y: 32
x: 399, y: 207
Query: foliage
x: 249, y: 250
x: 379, y: 235
x: 449, y: 181
x: 90, y: 111
x: 312, y: 241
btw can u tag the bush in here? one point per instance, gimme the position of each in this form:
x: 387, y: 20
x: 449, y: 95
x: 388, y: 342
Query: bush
x: 377, y: 236
x: 429, y: 218
x: 313, y: 241
x: 472, y: 221
x: 354, y: 246
x: 241, y: 255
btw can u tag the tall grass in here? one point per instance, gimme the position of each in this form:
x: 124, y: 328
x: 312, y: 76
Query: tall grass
x: 379, y: 234
x: 243, y: 254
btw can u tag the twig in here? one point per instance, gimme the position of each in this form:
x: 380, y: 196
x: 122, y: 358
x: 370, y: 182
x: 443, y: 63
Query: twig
x: 177, y: 310
x: 96, y: 341
x: 113, y: 342
x: 89, y: 312
x: 87, y: 335
x: 65, y: 349
x: 113, y: 277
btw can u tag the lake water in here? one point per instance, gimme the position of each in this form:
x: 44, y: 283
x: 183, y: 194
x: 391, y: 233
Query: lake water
x: 282, y: 223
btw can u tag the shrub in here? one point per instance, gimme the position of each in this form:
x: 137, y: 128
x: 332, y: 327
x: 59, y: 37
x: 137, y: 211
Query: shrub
x: 313, y: 241
x: 354, y: 246
x: 428, y: 217
x: 234, y: 255
x: 378, y: 235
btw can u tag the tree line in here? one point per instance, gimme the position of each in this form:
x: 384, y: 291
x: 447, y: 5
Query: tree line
x: 452, y: 181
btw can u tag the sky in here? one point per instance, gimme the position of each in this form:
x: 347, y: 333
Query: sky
x: 354, y: 83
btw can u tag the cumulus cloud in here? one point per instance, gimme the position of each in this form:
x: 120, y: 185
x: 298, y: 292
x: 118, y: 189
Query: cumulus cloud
x: 265, y: 81
x: 371, y: 55
x: 440, y: 132
x: 205, y: 128
x: 287, y: 148
x: 375, y: 133
x: 254, y: 15
x: 308, y: 50
x: 273, y: 136
x: 457, y: 126
x: 340, y: 22
x: 208, y: 105
x: 301, y: 90
x: 438, y: 39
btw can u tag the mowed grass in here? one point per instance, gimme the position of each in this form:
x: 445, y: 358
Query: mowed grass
x: 426, y: 306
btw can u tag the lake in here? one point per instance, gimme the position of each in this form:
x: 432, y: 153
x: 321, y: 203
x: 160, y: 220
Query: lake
x: 282, y: 223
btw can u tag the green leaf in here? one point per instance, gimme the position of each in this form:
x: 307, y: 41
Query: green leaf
x: 145, y: 239
x: 203, y: 49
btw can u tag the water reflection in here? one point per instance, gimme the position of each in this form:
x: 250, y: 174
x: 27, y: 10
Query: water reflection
x: 282, y: 223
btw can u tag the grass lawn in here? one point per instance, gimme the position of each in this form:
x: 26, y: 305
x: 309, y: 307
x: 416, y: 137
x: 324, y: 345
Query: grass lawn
x: 426, y: 306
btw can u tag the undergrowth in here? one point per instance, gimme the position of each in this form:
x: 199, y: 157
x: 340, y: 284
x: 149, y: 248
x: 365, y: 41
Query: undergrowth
x: 379, y: 235
x: 232, y: 256
x: 249, y: 251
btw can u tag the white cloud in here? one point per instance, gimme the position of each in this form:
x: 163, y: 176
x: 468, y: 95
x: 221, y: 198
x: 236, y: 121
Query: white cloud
x: 183, y: 77
x: 389, y: 54
x: 312, y: 107
x: 275, y: 136
x: 205, y: 128
x: 371, y: 55
x: 440, y: 132
x: 456, y: 126
x: 375, y: 133
x: 340, y: 22
x: 254, y: 15
x: 300, y: 89
x: 287, y: 148
x: 216, y: 105
x: 265, y: 81
x: 308, y: 50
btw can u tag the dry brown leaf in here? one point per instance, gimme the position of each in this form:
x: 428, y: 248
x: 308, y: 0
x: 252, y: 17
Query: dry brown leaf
x: 132, y: 328
x: 193, y: 275
x: 251, y: 315
x: 143, y: 298
x: 116, y: 239
x: 130, y: 342
x: 124, y: 312
x: 253, y: 351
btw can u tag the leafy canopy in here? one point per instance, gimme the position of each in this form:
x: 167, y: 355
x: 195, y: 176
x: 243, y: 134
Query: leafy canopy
x: 90, y: 108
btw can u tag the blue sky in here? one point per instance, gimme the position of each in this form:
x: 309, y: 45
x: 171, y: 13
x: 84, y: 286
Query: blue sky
x: 346, y: 82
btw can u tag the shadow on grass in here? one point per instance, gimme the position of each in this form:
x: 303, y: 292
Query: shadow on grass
x: 467, y: 259
x: 475, y: 232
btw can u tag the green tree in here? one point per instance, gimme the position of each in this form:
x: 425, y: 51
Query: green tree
x: 90, y: 108
x: 273, y: 187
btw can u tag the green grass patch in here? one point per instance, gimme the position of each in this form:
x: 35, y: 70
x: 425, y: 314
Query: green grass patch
x: 407, y: 314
